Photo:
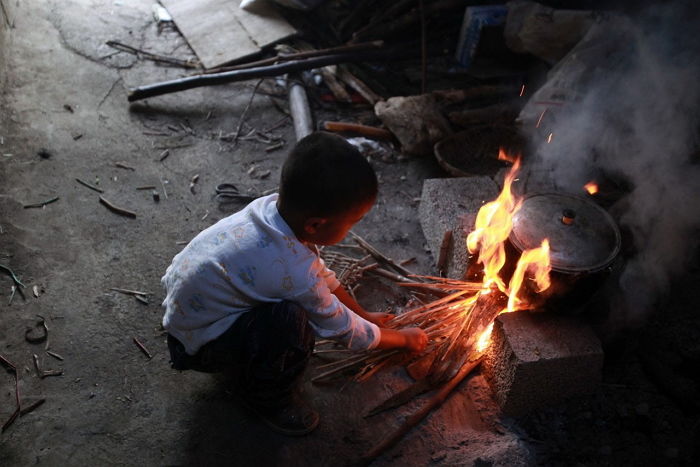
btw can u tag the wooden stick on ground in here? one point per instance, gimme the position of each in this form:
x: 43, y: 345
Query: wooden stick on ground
x: 435, y: 401
x: 117, y: 209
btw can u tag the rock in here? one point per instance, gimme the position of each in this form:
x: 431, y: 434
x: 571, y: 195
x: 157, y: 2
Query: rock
x: 452, y: 204
x: 416, y: 122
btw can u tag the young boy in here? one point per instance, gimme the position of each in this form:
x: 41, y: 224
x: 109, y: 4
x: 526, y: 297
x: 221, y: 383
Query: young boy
x: 246, y: 295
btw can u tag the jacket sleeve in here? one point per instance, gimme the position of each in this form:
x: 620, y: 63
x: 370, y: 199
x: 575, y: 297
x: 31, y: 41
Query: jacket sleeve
x: 331, y: 319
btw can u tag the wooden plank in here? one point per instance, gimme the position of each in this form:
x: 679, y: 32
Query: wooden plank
x: 266, y: 26
x: 219, y: 31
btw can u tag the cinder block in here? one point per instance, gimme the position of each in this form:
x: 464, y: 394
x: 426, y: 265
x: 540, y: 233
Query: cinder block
x: 452, y: 204
x: 537, y: 359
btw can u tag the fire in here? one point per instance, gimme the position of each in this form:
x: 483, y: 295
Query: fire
x: 537, y: 262
x: 504, y: 156
x: 484, y: 339
x: 591, y: 187
x: 494, y: 221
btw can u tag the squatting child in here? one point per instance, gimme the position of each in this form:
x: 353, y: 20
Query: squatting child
x: 247, y: 294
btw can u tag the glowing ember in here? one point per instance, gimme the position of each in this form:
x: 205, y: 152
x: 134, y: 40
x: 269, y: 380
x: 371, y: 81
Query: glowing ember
x: 522, y: 90
x: 591, y: 187
x: 539, y: 120
x: 549, y: 138
x: 484, y: 339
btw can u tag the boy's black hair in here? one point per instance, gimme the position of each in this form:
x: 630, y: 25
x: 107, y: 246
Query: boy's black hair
x: 324, y: 175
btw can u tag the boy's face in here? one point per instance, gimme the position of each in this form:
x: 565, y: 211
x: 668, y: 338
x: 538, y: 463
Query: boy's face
x: 331, y: 230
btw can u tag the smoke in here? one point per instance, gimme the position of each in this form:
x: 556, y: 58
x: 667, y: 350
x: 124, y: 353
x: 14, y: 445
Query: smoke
x: 632, y: 93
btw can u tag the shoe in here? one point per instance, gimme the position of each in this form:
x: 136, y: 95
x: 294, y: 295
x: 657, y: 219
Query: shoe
x: 296, y: 419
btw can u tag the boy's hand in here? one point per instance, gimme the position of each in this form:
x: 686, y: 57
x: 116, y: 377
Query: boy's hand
x: 379, y: 318
x: 416, y: 339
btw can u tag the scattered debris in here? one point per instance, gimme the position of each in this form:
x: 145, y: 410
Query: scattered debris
x: 274, y: 147
x: 44, y: 373
x: 415, y: 120
x: 117, y: 209
x: 12, y: 294
x: 31, y: 407
x: 41, y: 204
x: 130, y: 292
x: 227, y: 192
x: 364, y: 130
x: 76, y: 136
x: 54, y: 355
x: 164, y: 155
x: 146, y: 187
x: 11, y: 368
x: 44, y: 153
x: 30, y: 336
x: 123, y: 166
x: 13, y: 275
x: 162, y: 184
x: 193, y: 182
x: 151, y: 56
x: 143, y: 349
x: 35, y: 291
x: 156, y: 196
x: 92, y: 187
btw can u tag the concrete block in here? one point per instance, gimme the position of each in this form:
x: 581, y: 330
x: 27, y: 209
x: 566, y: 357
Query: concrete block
x: 537, y: 359
x: 452, y: 204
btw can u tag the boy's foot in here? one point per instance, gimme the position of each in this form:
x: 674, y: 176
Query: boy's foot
x: 296, y: 419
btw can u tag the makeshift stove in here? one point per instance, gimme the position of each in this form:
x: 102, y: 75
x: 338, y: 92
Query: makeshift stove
x: 534, y: 258
x: 541, y: 252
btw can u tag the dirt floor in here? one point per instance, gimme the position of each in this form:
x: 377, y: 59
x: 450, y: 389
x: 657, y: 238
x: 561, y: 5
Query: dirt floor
x: 64, y: 116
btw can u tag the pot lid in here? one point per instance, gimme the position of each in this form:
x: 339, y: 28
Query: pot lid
x: 583, y: 237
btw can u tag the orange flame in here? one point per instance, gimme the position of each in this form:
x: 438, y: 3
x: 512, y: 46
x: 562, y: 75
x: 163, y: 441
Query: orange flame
x: 494, y: 222
x: 504, y: 156
x: 484, y: 339
x: 537, y: 262
x: 591, y: 187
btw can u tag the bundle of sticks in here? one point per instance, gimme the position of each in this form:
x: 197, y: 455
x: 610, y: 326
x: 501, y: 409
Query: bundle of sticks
x: 453, y: 322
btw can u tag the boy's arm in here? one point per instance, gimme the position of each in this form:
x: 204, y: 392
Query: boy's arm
x: 413, y: 339
x: 380, y: 319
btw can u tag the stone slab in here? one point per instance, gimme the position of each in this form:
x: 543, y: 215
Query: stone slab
x: 452, y: 204
x: 538, y: 359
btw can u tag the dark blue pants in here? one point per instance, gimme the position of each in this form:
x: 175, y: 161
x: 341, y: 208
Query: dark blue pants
x: 265, y: 352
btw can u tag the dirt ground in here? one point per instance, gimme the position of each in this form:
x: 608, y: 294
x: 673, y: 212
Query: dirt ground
x: 64, y: 116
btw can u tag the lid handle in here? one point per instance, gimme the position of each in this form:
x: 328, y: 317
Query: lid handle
x: 568, y: 216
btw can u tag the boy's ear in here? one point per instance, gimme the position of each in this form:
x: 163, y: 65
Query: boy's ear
x: 312, y: 224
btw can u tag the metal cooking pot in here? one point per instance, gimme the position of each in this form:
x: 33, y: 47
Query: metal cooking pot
x: 584, y: 242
